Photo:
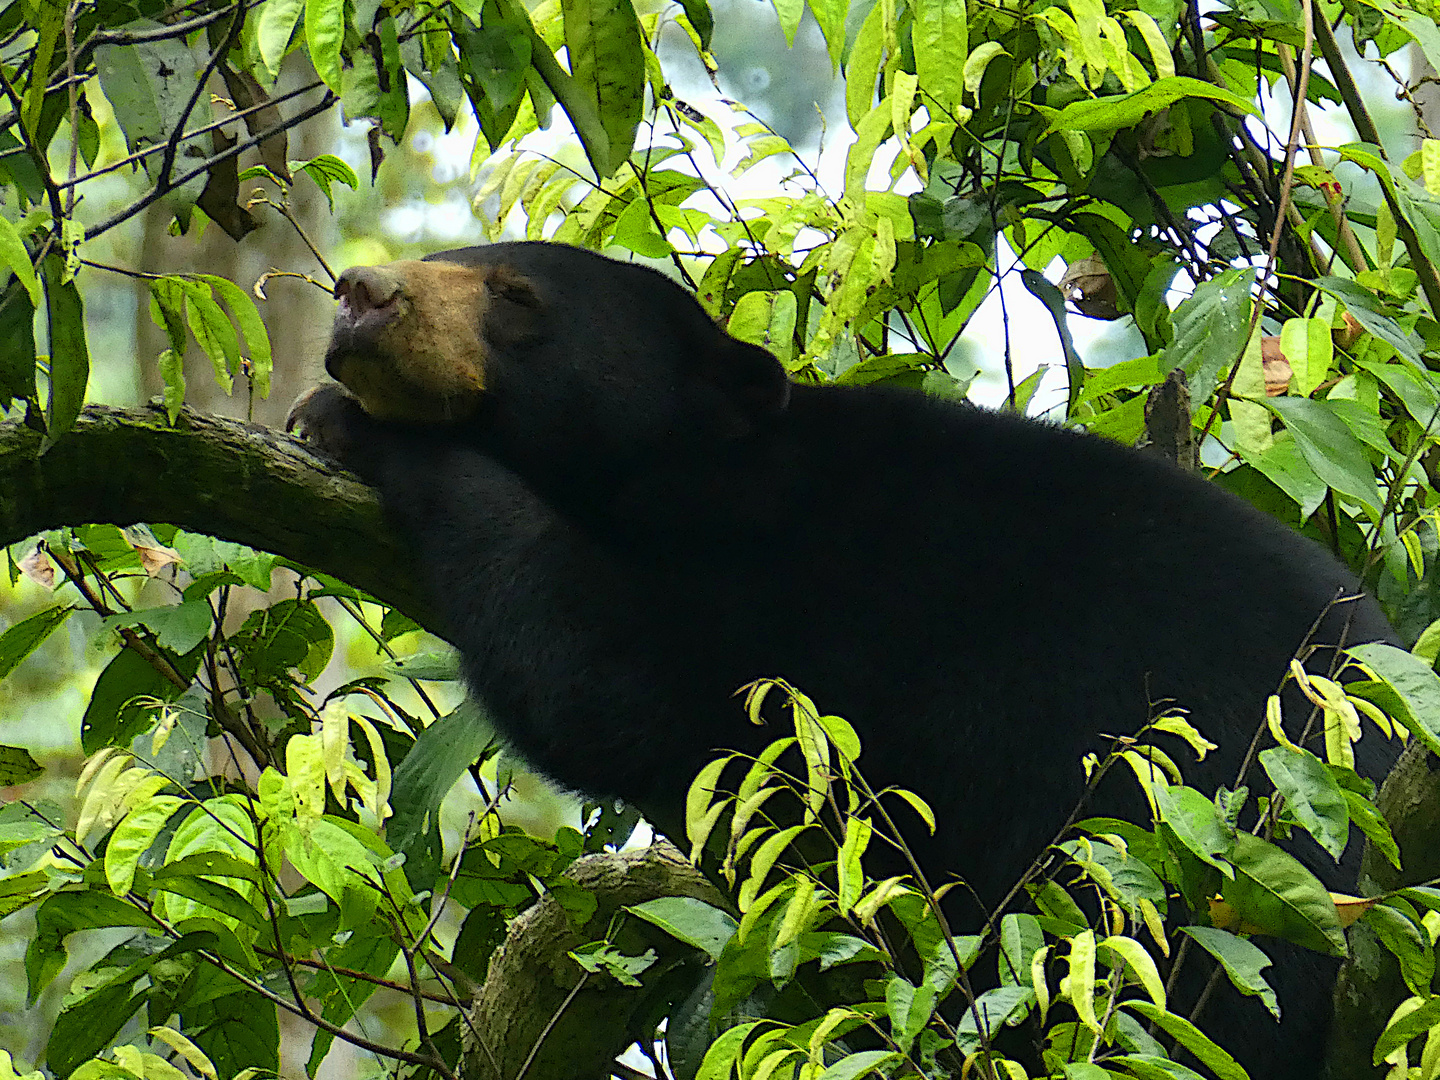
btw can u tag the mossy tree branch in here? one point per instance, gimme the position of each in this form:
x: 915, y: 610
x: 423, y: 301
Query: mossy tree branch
x: 236, y: 481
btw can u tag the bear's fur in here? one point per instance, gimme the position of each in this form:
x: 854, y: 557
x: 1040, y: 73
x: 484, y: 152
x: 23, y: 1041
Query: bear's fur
x: 627, y: 514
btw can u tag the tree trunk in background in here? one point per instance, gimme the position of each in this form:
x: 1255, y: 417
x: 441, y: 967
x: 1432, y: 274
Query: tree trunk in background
x: 297, y: 314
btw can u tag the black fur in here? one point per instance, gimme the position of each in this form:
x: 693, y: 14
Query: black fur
x: 637, y: 523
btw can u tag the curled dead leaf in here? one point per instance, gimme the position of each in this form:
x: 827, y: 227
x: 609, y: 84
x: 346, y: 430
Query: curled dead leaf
x: 1346, y: 336
x: 1088, y: 285
x: 38, y: 568
x: 155, y: 559
x: 1223, y: 916
x: 260, y: 116
x: 1351, y: 908
x: 1276, y: 366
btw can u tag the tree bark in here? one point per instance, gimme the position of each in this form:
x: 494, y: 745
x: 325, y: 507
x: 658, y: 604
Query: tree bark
x: 534, y: 1015
x: 237, y: 481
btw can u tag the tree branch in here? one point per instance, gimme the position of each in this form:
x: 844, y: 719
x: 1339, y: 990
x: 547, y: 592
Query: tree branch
x: 237, y: 481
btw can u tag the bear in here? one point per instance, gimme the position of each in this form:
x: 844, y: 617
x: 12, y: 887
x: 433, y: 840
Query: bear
x: 626, y: 515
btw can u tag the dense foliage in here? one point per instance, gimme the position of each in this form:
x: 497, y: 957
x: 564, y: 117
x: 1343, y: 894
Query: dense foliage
x: 268, y: 850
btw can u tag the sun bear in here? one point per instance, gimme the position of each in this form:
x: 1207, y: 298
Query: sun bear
x: 626, y: 515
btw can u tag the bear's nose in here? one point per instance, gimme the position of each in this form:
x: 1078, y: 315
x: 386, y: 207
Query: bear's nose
x: 365, y: 288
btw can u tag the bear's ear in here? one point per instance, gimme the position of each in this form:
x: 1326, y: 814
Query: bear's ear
x: 512, y: 306
x: 754, y: 385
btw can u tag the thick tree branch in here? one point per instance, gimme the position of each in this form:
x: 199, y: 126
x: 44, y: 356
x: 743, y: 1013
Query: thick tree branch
x: 538, y: 1013
x: 237, y: 481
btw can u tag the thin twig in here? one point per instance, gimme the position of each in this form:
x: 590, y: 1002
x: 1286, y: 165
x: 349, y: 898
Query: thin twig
x: 550, y: 1025
x: 1365, y: 128
x: 1332, y: 198
x: 156, y: 193
x: 1283, y: 204
x: 74, y: 100
x: 172, y: 144
x: 144, y: 152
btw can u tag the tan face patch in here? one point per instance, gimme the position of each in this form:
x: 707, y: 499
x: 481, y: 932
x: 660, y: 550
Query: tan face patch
x: 408, y: 339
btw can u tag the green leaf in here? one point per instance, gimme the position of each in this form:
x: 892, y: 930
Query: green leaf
x: 172, y: 373
x: 19, y: 891
x: 978, y: 61
x: 393, y: 109
x: 1250, y: 423
x: 325, y: 170
x: 1000, y: 1006
x: 1272, y: 890
x: 1328, y: 446
x: 1212, y: 1056
x: 214, y: 332
x: 790, y: 12
x: 149, y: 85
x: 274, y: 27
x: 178, y: 627
x: 1127, y: 879
x: 1310, y: 349
x: 830, y: 17
x: 1397, y: 924
x: 701, y: 20
x: 59, y: 916
x: 909, y: 1008
x: 1140, y: 963
x: 1211, y: 329
x: 1048, y: 294
x: 849, y: 871
x: 17, y: 344
x: 607, y: 70
x: 17, y: 767
x: 22, y: 639
x: 430, y: 666
x: 1020, y: 938
x: 69, y: 355
x: 720, y: 1058
x: 635, y: 229
x: 858, y: 1065
x: 1368, y: 311
x: 167, y: 309
x: 1242, y: 960
x: 1285, y: 467
x: 220, y: 824
x: 206, y: 555
x: 1196, y: 824
x: 1376, y: 829
x: 941, y: 37
x: 124, y: 701
x: 237, y: 1032
x: 498, y: 56
x: 48, y: 21
x: 1311, y: 794
x: 692, y: 921
x: 1127, y: 110
x: 90, y: 1023
x: 1414, y: 390
x: 133, y: 837
x: 441, y: 754
x: 211, y: 900
x: 1415, y: 684
x: 862, y: 70
x: 257, y: 340
x: 324, y: 34
x: 1402, y: 1029
x: 14, y: 255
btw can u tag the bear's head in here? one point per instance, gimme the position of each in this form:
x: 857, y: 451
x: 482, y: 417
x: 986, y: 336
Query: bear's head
x: 530, y: 343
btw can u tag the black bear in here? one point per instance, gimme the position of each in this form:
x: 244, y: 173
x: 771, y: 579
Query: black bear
x: 627, y: 515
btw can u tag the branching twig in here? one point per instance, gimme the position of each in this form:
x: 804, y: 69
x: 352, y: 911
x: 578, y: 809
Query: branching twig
x: 122, y: 216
